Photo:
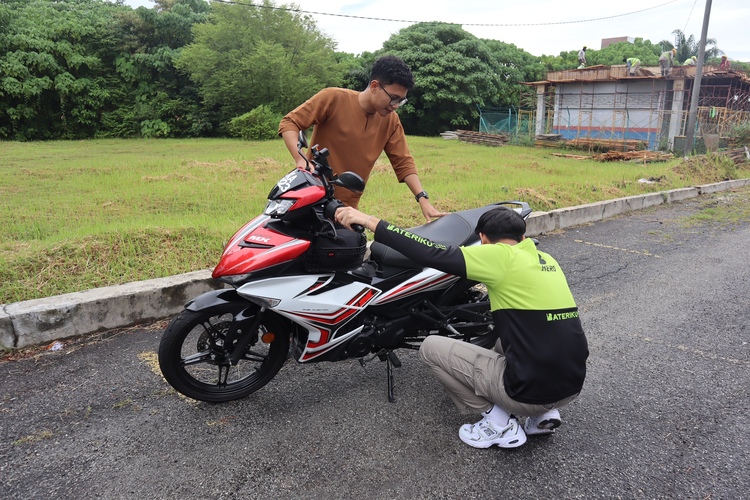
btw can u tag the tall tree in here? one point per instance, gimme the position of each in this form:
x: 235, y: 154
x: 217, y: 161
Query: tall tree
x: 54, y: 62
x: 247, y: 55
x: 455, y: 74
x: 689, y: 46
x: 154, y: 99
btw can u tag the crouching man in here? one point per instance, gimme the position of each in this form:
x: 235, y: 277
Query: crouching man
x: 538, y: 364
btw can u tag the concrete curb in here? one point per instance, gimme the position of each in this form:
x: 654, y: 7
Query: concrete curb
x: 52, y: 318
x: 32, y: 322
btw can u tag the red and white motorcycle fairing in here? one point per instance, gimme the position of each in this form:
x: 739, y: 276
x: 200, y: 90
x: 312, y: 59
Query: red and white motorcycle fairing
x: 327, y: 312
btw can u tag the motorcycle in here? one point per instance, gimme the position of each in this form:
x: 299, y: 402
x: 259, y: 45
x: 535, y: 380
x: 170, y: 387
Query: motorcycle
x: 299, y: 287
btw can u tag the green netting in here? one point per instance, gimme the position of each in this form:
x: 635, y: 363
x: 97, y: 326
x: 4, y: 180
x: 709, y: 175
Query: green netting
x: 493, y: 121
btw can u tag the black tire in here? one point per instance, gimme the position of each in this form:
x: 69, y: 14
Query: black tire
x: 197, y: 336
x: 466, y: 291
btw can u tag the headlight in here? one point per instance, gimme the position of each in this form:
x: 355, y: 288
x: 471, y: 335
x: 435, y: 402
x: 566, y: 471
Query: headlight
x: 278, y: 207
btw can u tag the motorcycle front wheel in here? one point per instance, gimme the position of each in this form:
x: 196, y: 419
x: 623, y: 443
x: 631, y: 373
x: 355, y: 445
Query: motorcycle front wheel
x: 193, y: 360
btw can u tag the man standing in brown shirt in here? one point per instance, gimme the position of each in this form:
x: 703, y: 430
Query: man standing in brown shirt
x: 357, y: 127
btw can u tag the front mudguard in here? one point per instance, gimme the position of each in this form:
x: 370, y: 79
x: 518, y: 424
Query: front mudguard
x: 215, y: 298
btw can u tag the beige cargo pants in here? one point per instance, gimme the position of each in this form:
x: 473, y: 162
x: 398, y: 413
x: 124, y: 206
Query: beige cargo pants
x: 473, y: 376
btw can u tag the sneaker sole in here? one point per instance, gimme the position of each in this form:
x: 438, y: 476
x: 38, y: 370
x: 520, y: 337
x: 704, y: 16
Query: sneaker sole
x: 515, y: 442
x: 544, y: 427
x: 550, y: 424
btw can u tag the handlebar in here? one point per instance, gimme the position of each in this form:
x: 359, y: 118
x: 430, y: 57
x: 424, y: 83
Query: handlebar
x: 329, y: 212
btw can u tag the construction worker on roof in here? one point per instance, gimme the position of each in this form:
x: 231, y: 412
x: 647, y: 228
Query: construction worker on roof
x: 666, y: 61
x: 691, y: 61
x: 633, y: 63
x: 724, y: 64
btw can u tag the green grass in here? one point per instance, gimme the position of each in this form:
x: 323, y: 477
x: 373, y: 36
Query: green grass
x: 83, y: 214
x: 722, y: 212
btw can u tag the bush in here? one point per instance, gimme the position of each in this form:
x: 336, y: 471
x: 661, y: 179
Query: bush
x: 257, y: 125
x: 151, y: 129
x: 740, y: 135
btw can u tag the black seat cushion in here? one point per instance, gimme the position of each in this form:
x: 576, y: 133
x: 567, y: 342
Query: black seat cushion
x: 456, y: 229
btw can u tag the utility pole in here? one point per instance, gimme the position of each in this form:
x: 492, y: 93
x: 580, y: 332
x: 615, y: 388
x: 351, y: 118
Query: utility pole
x: 692, y: 114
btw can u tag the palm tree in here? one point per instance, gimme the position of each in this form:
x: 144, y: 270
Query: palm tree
x: 688, y: 47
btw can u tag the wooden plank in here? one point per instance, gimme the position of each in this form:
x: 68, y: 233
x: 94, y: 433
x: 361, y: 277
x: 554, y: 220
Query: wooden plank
x: 642, y: 156
x: 606, y: 144
x: 482, y: 138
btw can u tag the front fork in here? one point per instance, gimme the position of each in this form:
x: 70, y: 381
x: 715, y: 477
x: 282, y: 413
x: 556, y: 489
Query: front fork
x: 242, y: 330
x: 243, y: 325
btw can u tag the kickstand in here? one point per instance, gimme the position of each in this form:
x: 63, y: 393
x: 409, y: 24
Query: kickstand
x: 391, y: 362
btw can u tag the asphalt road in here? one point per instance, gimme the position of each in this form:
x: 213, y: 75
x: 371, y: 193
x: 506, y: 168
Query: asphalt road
x: 665, y: 411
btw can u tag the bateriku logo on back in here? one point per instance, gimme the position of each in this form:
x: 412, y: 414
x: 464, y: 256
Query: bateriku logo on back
x: 561, y: 316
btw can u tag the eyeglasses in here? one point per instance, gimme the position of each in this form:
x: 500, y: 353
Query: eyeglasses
x: 395, y: 100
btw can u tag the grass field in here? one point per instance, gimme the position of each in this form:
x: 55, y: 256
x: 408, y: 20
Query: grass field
x: 85, y: 214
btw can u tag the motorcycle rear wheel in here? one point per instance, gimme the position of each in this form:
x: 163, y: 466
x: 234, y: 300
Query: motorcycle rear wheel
x: 192, y: 355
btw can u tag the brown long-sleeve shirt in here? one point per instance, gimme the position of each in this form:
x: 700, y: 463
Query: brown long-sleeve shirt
x: 354, y: 138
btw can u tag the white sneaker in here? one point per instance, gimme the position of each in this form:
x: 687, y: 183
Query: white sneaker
x: 486, y: 433
x: 546, y: 423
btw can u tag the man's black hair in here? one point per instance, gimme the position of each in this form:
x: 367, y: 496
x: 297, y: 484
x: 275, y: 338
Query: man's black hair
x: 501, y: 223
x: 389, y: 70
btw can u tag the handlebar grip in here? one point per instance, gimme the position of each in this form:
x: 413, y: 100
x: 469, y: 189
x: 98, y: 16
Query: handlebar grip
x: 329, y: 211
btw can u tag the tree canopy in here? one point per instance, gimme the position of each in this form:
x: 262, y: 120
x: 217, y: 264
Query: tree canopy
x: 156, y: 100
x: 74, y: 69
x: 86, y: 68
x: 456, y: 73
x: 53, y: 67
x: 246, y: 56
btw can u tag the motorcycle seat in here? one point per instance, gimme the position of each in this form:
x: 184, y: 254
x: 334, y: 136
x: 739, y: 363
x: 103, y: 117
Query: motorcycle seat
x: 454, y: 229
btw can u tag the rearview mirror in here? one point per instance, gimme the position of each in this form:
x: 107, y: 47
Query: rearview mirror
x: 350, y: 181
x: 302, y: 140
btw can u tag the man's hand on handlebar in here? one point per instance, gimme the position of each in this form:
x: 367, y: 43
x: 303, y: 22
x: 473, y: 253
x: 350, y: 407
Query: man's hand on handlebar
x: 348, y: 216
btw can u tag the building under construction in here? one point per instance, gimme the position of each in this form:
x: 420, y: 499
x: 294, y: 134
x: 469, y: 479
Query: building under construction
x: 603, y: 102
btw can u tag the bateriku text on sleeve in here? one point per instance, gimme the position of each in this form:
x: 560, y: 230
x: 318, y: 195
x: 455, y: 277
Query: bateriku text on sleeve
x: 448, y: 259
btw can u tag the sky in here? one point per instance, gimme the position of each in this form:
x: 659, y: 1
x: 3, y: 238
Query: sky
x: 536, y: 26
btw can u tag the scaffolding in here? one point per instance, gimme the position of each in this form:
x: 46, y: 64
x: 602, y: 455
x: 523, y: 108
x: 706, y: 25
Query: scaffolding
x: 604, y: 103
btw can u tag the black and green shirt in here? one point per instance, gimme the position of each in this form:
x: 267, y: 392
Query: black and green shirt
x: 534, y: 311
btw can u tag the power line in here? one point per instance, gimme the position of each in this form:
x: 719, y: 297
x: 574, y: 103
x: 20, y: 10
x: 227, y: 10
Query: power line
x: 689, y: 16
x: 300, y: 11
